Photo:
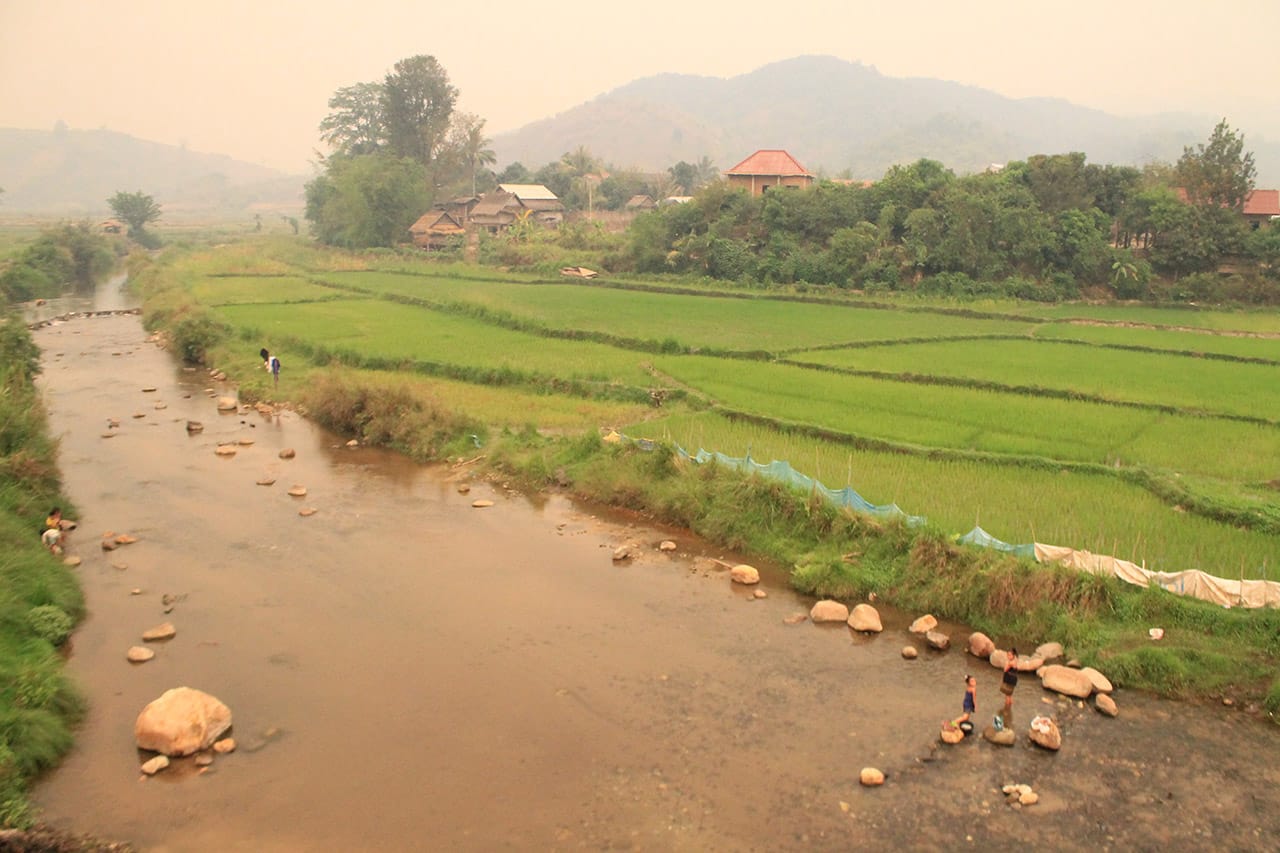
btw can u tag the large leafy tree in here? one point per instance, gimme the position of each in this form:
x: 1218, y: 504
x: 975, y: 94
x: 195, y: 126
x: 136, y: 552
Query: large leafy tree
x: 1220, y: 173
x: 137, y: 209
x: 355, y: 124
x: 367, y: 200
x: 417, y: 103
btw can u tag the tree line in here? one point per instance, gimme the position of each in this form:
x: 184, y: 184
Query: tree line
x: 398, y: 145
x: 1050, y: 227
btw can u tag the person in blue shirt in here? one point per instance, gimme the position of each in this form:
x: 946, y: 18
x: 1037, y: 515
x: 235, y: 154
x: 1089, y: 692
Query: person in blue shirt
x: 970, y: 706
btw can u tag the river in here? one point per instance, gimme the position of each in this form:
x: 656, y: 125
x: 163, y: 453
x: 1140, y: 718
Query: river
x: 407, y: 672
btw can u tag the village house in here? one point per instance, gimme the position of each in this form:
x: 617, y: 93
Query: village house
x: 498, y: 210
x: 638, y: 203
x: 767, y: 169
x: 545, y: 207
x: 495, y: 211
x: 434, y: 229
x: 1261, y: 207
x: 459, y: 208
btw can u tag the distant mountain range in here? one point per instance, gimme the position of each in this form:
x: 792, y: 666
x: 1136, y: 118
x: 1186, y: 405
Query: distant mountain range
x: 834, y: 115
x: 73, y: 173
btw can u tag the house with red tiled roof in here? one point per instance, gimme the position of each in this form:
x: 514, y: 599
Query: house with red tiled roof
x: 768, y: 169
x: 1261, y: 207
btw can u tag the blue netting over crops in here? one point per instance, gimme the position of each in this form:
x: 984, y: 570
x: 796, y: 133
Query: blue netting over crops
x: 983, y: 539
x: 784, y: 473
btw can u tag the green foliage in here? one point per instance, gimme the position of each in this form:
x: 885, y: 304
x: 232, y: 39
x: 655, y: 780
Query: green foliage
x: 137, y: 209
x: 367, y: 200
x: 63, y: 256
x: 50, y: 623
x: 194, y: 331
x: 18, y: 352
x: 39, y: 597
x: 417, y: 103
x: 1218, y: 174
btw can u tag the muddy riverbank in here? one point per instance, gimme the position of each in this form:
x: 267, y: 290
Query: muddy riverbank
x: 407, y: 672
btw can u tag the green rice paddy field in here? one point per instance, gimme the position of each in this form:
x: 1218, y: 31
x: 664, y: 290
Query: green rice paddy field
x: 999, y: 444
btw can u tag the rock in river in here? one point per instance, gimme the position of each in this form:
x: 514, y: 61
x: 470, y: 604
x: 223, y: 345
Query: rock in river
x: 829, y: 611
x: 923, y: 625
x: 865, y: 618
x: 744, y: 574
x: 938, y: 640
x: 139, y: 654
x: 1105, y: 704
x: 870, y: 777
x: 1067, y: 681
x: 980, y: 645
x: 163, y: 631
x: 1100, y: 682
x: 181, y: 721
x: 155, y: 765
x: 910, y: 653
x: 1044, y: 732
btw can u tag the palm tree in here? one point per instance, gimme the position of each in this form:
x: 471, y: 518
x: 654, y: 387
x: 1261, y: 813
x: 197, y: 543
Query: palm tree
x: 475, y: 148
x: 579, y: 162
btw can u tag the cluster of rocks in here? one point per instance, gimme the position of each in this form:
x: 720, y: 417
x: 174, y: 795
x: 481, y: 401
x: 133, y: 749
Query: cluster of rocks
x: 1020, y: 795
x: 183, y: 721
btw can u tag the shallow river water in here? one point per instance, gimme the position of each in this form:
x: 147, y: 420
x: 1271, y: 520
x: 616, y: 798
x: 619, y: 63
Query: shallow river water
x: 407, y: 672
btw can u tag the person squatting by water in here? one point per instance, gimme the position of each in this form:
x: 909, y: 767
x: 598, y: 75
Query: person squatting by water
x: 969, y: 706
x: 1007, y: 682
x: 55, y: 530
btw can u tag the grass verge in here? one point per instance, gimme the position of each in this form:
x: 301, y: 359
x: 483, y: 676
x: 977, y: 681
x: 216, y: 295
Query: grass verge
x: 40, y: 599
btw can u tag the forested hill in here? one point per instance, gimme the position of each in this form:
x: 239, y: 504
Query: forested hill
x: 835, y: 115
x: 73, y: 172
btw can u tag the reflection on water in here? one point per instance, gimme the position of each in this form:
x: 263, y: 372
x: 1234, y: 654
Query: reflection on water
x: 109, y: 295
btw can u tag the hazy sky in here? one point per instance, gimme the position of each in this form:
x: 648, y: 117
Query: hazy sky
x: 251, y: 78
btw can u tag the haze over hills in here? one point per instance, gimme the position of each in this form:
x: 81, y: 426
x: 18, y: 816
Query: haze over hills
x: 834, y: 115
x: 73, y: 173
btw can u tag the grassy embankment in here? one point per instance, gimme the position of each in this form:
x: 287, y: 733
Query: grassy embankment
x: 40, y: 599
x: 982, y: 417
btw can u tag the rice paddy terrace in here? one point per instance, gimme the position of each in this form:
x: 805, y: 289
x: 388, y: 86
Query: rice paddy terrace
x: 1152, y: 434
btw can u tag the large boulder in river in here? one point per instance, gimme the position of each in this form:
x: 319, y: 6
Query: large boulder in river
x: 227, y: 404
x: 980, y: 645
x: 1101, y: 684
x: 865, y: 618
x: 181, y: 721
x: 744, y: 574
x: 829, y: 611
x: 1067, y: 681
x: 938, y: 640
x: 1105, y: 705
x: 1044, y: 733
x: 923, y: 625
x: 871, y: 777
x: 1048, y: 651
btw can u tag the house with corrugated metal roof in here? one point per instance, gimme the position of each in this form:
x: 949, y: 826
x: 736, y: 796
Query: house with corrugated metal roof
x: 767, y: 169
x: 544, y: 206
